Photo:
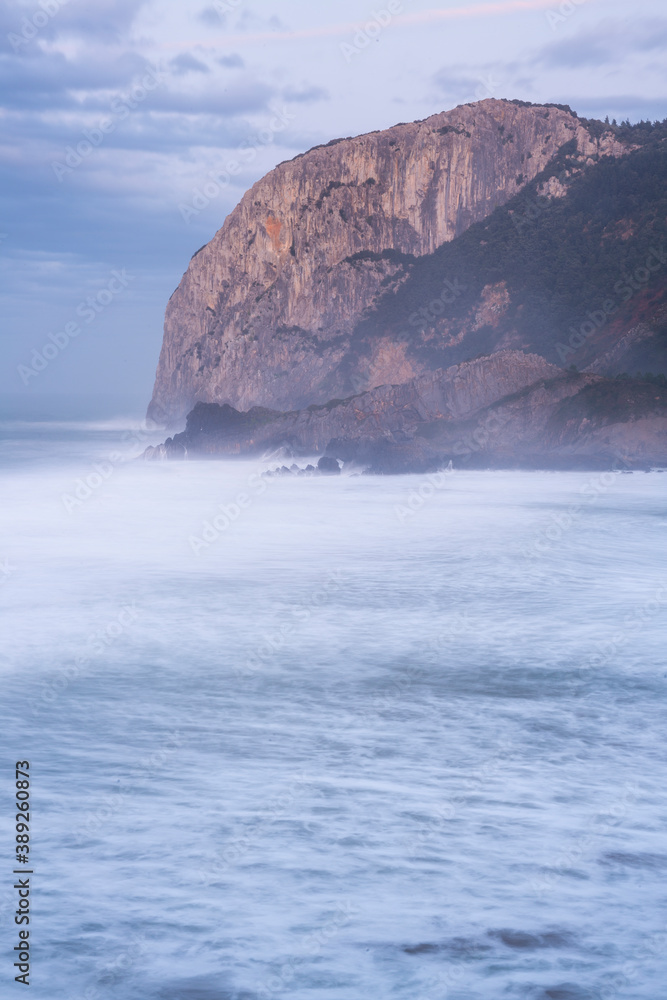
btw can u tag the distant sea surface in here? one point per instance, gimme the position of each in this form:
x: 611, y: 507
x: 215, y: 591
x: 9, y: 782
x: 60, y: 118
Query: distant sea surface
x: 345, y: 737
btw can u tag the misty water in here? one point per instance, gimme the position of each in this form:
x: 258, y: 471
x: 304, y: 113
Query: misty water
x: 378, y: 737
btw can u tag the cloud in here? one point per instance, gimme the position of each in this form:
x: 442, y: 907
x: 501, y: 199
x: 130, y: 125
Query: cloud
x: 88, y: 82
x: 280, y: 32
x: 105, y: 20
x: 186, y: 63
x: 249, y: 20
x: 305, y: 94
x: 209, y: 15
x: 456, y: 84
x: 620, y: 106
x: 609, y: 43
x: 575, y: 53
x: 460, y: 86
x: 233, y: 61
x: 50, y: 80
x: 276, y: 24
x: 37, y: 144
x: 243, y: 98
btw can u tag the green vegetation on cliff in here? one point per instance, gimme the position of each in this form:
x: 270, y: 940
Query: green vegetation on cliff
x: 575, y: 268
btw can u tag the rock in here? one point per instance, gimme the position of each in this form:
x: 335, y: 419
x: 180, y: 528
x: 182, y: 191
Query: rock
x: 358, y: 425
x: 508, y: 410
x: 328, y: 466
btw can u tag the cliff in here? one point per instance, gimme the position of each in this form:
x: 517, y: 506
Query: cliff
x: 269, y: 313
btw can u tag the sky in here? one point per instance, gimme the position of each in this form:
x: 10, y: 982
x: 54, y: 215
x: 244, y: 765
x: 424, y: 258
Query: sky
x: 114, y: 114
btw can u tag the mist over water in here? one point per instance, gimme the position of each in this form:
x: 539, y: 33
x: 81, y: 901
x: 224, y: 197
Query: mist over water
x: 366, y: 737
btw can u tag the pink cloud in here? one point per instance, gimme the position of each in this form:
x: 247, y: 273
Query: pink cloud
x: 423, y: 17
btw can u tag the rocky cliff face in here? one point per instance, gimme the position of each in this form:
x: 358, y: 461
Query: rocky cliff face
x: 266, y: 312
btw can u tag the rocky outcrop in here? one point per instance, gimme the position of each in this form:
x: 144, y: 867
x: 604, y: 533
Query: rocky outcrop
x: 266, y: 312
x: 390, y: 412
x: 507, y: 409
x: 571, y: 421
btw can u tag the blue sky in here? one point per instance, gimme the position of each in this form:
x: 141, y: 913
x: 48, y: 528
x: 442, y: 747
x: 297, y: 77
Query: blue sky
x: 159, y: 95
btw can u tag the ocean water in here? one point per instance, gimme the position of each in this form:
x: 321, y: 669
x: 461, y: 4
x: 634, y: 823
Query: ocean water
x: 332, y: 737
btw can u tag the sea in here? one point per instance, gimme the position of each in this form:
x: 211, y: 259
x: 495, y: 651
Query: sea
x: 343, y: 737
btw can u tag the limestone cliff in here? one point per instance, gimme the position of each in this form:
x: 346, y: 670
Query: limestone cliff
x: 266, y: 312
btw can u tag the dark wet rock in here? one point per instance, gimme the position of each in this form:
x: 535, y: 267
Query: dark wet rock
x: 454, y: 948
x: 567, y: 991
x: 422, y: 949
x: 522, y: 940
x: 328, y: 466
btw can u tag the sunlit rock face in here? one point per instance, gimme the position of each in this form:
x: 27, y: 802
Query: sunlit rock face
x: 266, y: 312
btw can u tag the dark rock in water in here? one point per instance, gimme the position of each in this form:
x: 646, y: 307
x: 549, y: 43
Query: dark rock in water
x: 421, y: 949
x: 328, y: 466
x: 568, y: 991
x: 283, y: 471
x: 308, y: 470
x: 530, y: 942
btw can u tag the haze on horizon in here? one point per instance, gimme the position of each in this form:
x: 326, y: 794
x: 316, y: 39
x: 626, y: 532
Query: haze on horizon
x: 182, y: 89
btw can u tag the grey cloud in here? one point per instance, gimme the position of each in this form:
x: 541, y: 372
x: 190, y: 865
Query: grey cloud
x: 51, y: 81
x: 648, y: 34
x: 620, y: 106
x: 104, y: 20
x: 584, y: 51
x: 459, y: 86
x: 249, y: 21
x: 233, y: 61
x: 44, y: 81
x: 185, y: 63
x: 145, y: 130
x: 455, y: 84
x: 610, y: 42
x: 246, y: 97
x: 209, y: 15
x: 305, y: 94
